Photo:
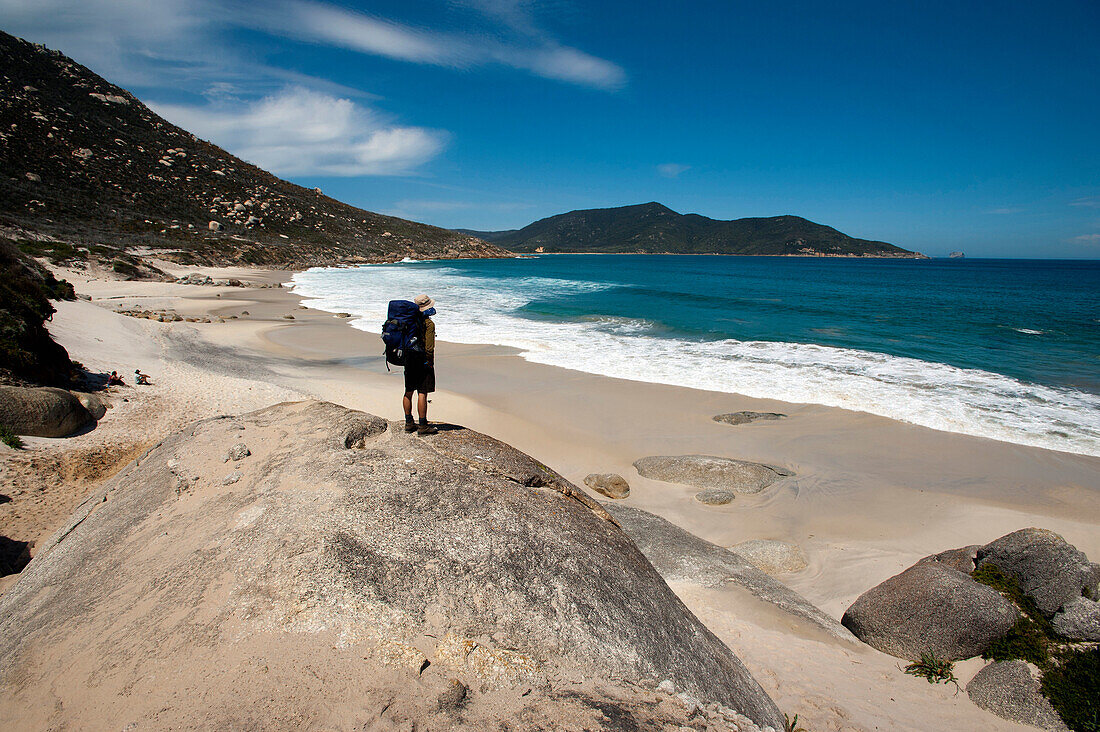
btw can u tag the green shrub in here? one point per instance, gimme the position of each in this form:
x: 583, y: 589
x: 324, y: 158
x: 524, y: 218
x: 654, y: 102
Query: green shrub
x: 1025, y: 641
x: 934, y: 670
x: 1073, y: 687
x: 10, y: 439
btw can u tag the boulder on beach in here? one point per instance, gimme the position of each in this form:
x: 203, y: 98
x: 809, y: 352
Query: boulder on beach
x: 930, y: 608
x: 707, y: 471
x: 95, y: 404
x: 611, y: 485
x: 41, y: 411
x: 1010, y: 690
x: 1049, y: 569
x: 736, y: 418
x: 347, y: 579
x: 773, y: 557
x: 683, y: 557
x: 1079, y: 620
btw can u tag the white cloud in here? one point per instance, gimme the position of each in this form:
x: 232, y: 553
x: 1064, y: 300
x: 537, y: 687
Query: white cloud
x: 169, y: 42
x: 522, y: 47
x: 672, y: 170
x: 301, y: 132
x: 1087, y: 239
x: 1087, y: 202
x: 1004, y: 210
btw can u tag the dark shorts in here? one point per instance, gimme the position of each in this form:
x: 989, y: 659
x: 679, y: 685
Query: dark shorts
x: 420, y: 378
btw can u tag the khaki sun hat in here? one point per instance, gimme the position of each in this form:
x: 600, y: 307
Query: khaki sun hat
x: 424, y: 302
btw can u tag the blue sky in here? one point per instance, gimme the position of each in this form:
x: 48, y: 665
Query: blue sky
x: 935, y: 126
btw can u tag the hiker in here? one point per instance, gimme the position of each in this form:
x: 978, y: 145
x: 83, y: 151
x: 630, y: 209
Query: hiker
x: 115, y: 380
x: 420, y: 373
x: 142, y: 379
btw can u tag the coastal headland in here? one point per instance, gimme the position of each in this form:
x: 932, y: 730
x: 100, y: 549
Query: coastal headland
x: 862, y: 497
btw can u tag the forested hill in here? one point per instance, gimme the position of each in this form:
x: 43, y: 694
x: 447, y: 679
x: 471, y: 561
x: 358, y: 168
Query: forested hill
x: 87, y: 170
x: 651, y: 227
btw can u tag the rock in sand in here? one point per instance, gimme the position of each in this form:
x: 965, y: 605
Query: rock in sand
x: 736, y: 418
x: 714, y: 497
x: 707, y: 471
x: 930, y: 608
x: 773, y: 557
x: 611, y: 485
x: 1010, y: 690
x: 42, y: 411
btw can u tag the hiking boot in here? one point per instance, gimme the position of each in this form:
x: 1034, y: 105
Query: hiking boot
x: 410, y: 426
x: 426, y: 429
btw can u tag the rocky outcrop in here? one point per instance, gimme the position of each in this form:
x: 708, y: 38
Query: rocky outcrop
x: 350, y: 561
x: 1010, y: 690
x: 683, y: 557
x: 736, y: 418
x: 1079, y: 620
x: 773, y: 557
x: 930, y: 608
x: 42, y: 411
x: 1049, y: 569
x: 611, y: 485
x: 707, y: 471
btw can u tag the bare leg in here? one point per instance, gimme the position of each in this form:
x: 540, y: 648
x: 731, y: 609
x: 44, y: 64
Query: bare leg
x: 422, y: 406
x: 407, y: 403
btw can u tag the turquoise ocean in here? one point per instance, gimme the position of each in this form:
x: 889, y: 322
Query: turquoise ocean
x: 1005, y: 349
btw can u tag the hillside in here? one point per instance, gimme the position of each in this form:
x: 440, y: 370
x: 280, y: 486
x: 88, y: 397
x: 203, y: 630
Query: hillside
x: 27, y: 353
x: 651, y: 227
x: 87, y: 171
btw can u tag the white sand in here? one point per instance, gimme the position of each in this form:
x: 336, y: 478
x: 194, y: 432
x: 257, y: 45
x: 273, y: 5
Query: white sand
x: 869, y: 497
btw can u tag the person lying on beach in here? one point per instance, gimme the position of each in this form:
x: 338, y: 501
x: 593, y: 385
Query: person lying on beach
x: 115, y: 380
x: 420, y: 377
x: 142, y: 379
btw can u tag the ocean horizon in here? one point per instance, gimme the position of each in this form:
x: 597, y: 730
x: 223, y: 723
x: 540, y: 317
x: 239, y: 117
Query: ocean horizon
x: 1007, y: 349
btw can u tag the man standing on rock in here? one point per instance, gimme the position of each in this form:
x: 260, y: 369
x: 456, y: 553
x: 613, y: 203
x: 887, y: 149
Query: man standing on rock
x: 420, y: 377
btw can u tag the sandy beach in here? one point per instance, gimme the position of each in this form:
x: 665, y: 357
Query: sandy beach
x: 869, y: 495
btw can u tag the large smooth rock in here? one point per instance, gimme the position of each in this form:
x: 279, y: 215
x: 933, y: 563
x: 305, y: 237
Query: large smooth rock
x: 1048, y: 568
x: 1079, y: 620
x: 773, y: 557
x: 1010, y: 690
x: 611, y: 485
x: 280, y: 600
x: 683, y: 557
x: 737, y: 418
x: 41, y: 411
x: 930, y: 608
x: 96, y: 405
x: 707, y: 471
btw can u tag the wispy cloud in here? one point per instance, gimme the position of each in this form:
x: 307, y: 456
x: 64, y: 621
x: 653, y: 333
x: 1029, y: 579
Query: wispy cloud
x: 672, y: 170
x: 1004, y: 210
x: 524, y: 48
x: 1086, y: 239
x: 1087, y: 202
x: 299, y: 132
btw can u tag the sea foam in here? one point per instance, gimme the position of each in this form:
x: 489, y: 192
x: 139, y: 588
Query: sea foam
x: 935, y: 395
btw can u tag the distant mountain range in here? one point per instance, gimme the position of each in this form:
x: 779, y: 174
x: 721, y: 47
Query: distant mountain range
x: 89, y: 172
x: 652, y: 228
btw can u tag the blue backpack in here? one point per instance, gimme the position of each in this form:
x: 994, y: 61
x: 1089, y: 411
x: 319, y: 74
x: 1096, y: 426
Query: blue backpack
x: 403, y: 334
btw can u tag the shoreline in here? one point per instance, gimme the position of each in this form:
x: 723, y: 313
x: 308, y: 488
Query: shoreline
x: 869, y: 496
